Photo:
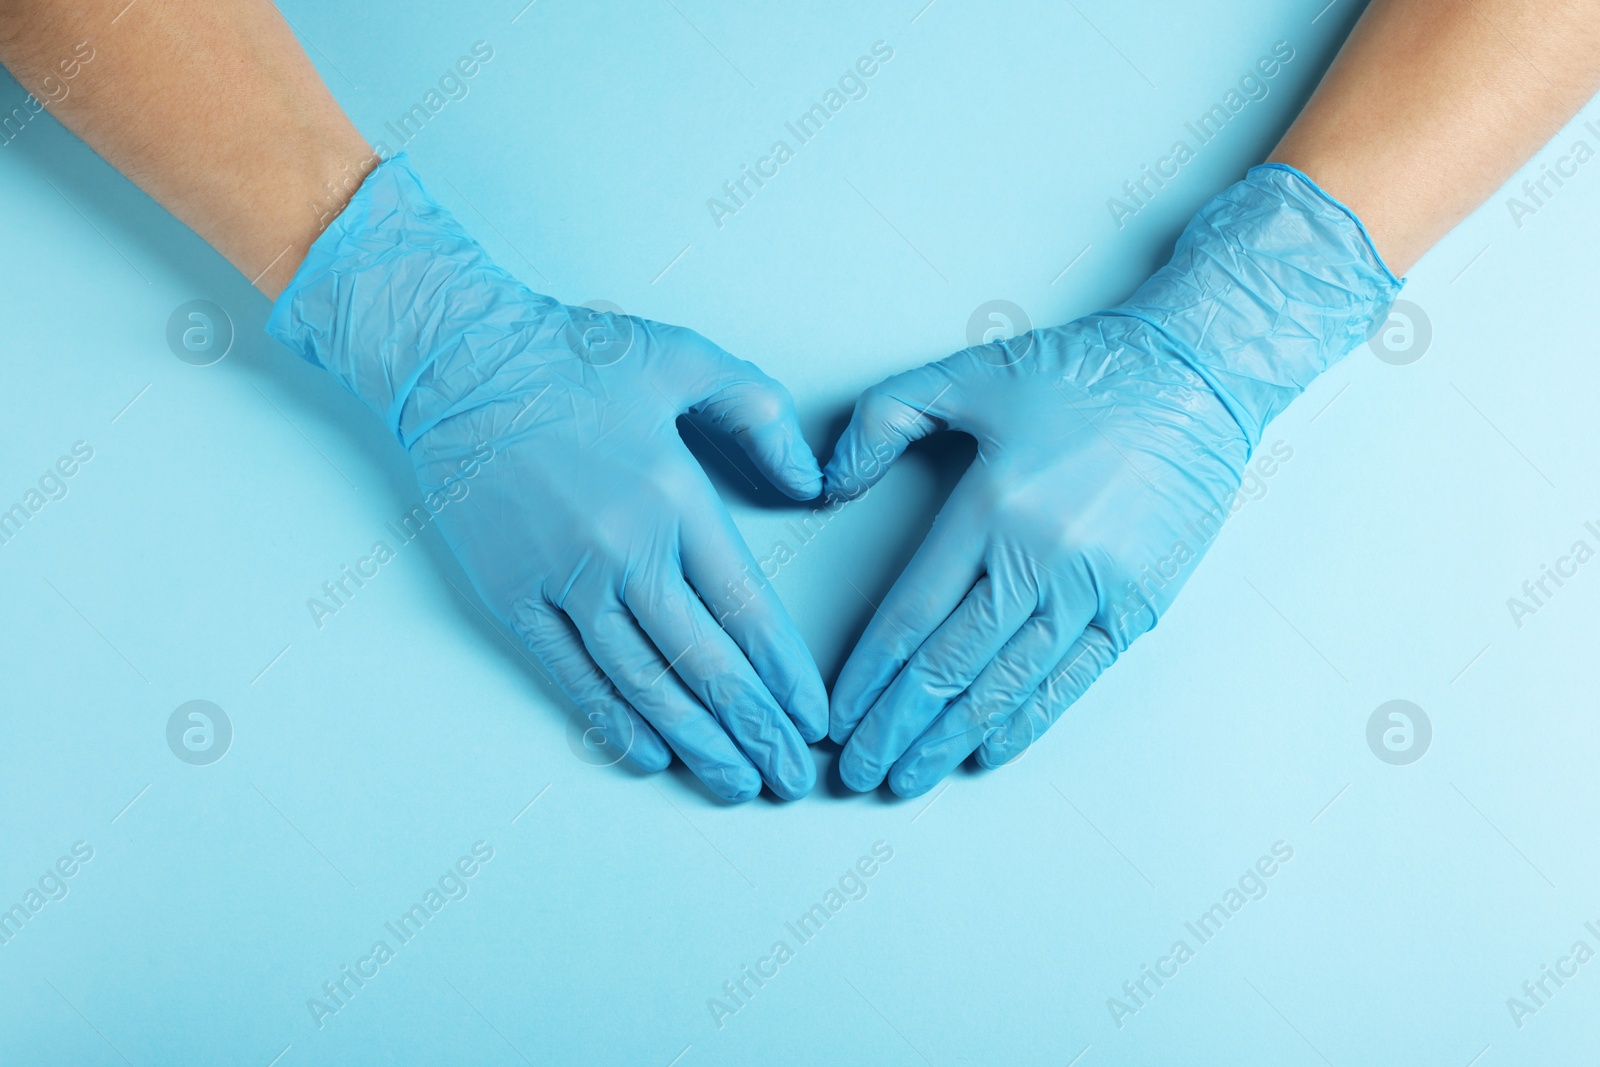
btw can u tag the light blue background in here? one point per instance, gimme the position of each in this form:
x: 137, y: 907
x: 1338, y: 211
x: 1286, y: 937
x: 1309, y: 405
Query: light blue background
x: 377, y: 750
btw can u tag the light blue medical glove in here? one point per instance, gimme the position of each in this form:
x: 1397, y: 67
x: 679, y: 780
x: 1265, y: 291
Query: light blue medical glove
x: 1110, y: 451
x: 546, y: 439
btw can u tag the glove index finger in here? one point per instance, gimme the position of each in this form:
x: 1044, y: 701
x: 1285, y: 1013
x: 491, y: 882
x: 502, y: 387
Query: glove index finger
x: 759, y: 414
x: 739, y: 398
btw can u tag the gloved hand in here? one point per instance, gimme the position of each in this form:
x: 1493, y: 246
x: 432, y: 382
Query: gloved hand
x: 1109, y: 454
x: 546, y: 435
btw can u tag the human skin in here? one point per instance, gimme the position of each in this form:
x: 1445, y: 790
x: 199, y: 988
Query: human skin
x: 211, y: 107
x: 1432, y: 105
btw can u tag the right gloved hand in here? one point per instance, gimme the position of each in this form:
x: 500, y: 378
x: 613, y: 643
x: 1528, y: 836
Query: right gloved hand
x: 549, y: 434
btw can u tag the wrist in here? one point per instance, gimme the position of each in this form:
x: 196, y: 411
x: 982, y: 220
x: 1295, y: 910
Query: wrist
x: 1270, y: 284
x: 309, y: 192
x: 399, y: 303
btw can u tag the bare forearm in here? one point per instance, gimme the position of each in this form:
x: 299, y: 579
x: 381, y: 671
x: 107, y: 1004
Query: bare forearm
x: 1431, y: 105
x: 210, y: 106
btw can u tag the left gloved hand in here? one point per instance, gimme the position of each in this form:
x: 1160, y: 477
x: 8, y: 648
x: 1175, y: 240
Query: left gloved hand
x: 1109, y: 453
x: 546, y: 437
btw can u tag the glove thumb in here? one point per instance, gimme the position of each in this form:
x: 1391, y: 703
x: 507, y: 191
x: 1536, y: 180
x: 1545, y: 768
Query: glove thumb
x: 887, y: 418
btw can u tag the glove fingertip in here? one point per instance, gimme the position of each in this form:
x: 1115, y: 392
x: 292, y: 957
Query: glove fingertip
x: 810, y: 713
x: 799, y: 784
x: 989, y: 757
x: 856, y: 773
x: 908, y: 785
x: 837, y: 485
x: 650, y: 756
x: 802, y: 482
x: 847, y: 474
x: 779, y: 450
x: 1001, y: 750
x: 738, y: 784
x: 842, y: 721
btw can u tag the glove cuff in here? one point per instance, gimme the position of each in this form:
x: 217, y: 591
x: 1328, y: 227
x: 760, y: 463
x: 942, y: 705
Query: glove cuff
x: 1269, y: 285
x: 392, y: 292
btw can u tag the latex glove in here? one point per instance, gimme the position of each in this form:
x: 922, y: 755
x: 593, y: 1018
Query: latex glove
x: 547, y: 436
x: 1109, y: 454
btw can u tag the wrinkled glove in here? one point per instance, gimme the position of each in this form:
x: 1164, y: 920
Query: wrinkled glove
x: 548, y: 435
x: 1110, y: 451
